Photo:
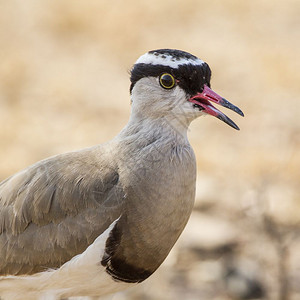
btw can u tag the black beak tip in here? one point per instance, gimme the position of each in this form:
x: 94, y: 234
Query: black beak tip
x: 228, y: 121
x: 233, y: 125
x: 228, y: 105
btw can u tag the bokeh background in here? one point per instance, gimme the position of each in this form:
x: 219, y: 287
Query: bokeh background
x: 64, y: 81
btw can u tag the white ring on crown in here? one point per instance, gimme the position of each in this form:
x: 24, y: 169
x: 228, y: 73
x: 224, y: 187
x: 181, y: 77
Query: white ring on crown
x: 167, y: 60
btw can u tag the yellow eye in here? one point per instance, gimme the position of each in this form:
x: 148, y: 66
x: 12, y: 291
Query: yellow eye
x: 167, y: 81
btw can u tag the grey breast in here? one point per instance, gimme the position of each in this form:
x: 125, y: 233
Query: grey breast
x: 159, y: 182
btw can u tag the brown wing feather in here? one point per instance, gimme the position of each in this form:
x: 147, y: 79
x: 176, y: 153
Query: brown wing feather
x: 54, y: 209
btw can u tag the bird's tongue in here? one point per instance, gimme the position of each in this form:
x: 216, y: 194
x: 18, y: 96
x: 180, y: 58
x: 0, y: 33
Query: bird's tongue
x: 203, y: 100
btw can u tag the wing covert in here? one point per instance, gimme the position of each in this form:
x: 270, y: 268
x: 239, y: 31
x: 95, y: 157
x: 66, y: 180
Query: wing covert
x: 55, y: 209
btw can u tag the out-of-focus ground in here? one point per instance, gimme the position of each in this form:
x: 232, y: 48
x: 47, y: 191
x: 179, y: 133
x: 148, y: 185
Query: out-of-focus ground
x: 64, y: 86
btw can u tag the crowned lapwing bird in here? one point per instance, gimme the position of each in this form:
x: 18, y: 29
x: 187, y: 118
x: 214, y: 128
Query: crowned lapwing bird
x: 102, y: 219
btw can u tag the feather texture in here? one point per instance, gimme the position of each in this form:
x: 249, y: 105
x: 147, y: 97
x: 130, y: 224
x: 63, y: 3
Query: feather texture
x: 81, y: 276
x: 55, y: 209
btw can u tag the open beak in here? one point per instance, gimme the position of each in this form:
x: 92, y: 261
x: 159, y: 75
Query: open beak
x: 203, y: 102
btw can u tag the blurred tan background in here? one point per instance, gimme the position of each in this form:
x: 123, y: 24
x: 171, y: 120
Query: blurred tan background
x: 64, y: 85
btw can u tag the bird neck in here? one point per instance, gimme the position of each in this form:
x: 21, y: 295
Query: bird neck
x: 169, y: 126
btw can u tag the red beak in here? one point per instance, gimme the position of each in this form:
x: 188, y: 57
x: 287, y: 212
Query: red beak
x: 202, y: 101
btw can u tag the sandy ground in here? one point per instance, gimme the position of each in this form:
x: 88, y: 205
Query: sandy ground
x: 64, y: 86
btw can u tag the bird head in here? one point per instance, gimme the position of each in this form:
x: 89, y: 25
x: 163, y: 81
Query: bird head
x: 175, y: 83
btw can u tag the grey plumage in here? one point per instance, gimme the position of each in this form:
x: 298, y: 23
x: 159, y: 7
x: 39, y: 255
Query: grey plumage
x: 142, y: 182
x: 54, y: 209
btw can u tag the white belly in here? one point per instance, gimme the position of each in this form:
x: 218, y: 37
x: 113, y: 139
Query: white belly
x: 83, y: 275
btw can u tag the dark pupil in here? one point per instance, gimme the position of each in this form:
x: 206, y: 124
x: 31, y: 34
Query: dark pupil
x: 167, y: 80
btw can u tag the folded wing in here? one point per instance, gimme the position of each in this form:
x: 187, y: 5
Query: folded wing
x: 55, y: 209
